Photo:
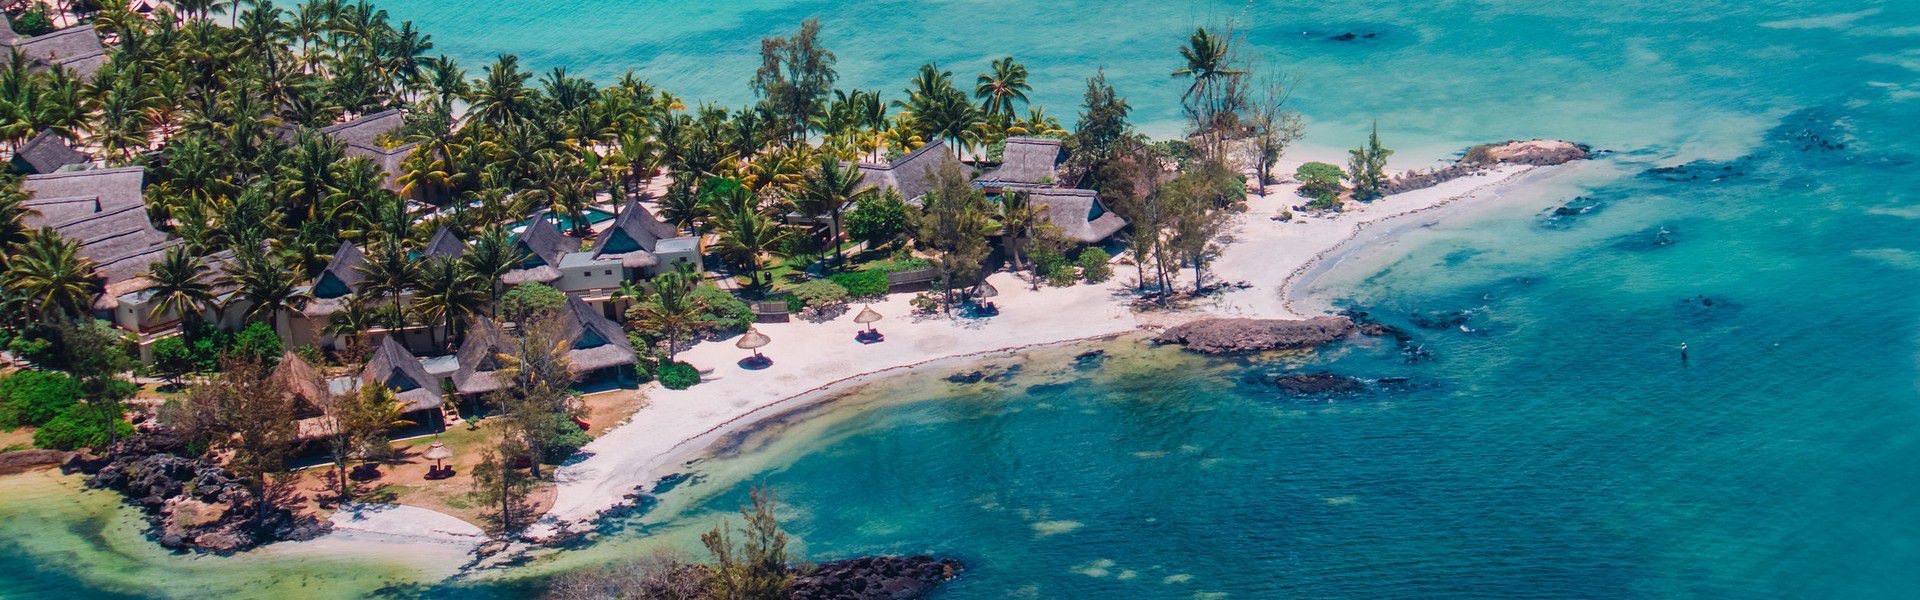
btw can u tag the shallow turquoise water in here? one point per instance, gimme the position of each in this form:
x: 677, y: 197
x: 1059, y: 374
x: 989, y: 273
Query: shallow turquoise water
x: 1557, y: 449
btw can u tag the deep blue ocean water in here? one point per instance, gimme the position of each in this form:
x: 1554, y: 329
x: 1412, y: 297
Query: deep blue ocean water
x: 1555, y: 447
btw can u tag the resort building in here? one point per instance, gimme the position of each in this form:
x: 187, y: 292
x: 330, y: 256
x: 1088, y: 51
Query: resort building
x: 598, y: 348
x: 418, y: 391
x: 913, y: 174
x: 636, y: 246
x: 46, y: 153
x: 1026, y: 163
x: 104, y: 212
x: 361, y: 137
x: 444, y: 244
x: 77, y: 49
x: 479, y: 359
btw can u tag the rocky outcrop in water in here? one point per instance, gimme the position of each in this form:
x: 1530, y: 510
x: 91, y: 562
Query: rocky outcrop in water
x: 1232, y: 336
x: 191, y: 503
x: 1479, y: 158
x: 874, y: 578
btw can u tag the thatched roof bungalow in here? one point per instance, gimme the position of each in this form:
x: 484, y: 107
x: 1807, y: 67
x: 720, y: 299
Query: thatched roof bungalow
x: 393, y: 366
x: 1077, y: 214
x: 105, y: 212
x: 46, y: 153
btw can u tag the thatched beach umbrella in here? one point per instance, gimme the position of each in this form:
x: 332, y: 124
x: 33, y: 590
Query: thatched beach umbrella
x: 753, y: 340
x: 984, y: 290
x: 437, y: 452
x: 867, y: 317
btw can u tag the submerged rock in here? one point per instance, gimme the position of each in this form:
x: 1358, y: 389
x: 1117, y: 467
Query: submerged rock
x: 1233, y: 335
x: 1699, y: 170
x: 874, y: 578
x: 1306, y: 384
x: 1089, y: 360
x: 1444, y: 320
x: 1560, y: 217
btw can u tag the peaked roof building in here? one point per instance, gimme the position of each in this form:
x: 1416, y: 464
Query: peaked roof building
x: 913, y: 175
x: 634, y: 237
x: 1026, y: 162
x: 444, y: 245
x: 1077, y: 213
x: 393, y: 366
x: 596, y: 342
x: 337, y: 283
x: 479, y: 358
x: 544, y: 246
x: 46, y: 153
x: 75, y: 48
x: 105, y: 212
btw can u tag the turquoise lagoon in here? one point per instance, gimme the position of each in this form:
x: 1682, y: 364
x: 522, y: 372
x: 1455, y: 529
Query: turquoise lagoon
x: 1555, y: 447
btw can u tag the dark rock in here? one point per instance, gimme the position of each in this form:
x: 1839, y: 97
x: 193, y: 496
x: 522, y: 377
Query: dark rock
x: 1699, y: 170
x: 1004, y: 375
x: 1563, y: 216
x: 1445, y: 320
x: 1089, y: 360
x: 1345, y: 37
x: 873, y: 578
x: 23, y: 460
x: 968, y: 377
x: 1305, y: 384
x: 1651, y: 238
x: 191, y: 503
x: 1234, y: 335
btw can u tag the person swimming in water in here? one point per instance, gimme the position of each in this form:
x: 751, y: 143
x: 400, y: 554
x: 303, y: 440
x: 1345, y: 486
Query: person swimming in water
x: 1683, y: 353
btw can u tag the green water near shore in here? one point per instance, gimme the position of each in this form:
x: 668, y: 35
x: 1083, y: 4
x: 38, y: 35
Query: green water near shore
x: 1554, y: 447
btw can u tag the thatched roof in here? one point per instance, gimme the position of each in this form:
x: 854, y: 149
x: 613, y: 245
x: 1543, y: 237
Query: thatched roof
x: 348, y: 269
x: 47, y: 152
x: 634, y: 237
x: 542, y: 241
x: 444, y: 245
x: 361, y: 137
x: 1078, y: 214
x: 479, y: 358
x: 306, y: 384
x: 914, y: 173
x: 104, y: 211
x: 597, y: 342
x: 393, y: 366
x: 75, y: 48
x: 1027, y: 160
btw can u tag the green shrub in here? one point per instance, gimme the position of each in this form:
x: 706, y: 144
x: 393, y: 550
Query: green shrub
x: 172, y: 358
x: 32, y: 349
x: 1094, y: 267
x: 1327, y: 203
x: 862, y: 284
x: 879, y: 220
x: 678, y: 375
x: 1318, y: 180
x: 563, y: 438
x: 1045, y: 259
x: 34, y: 22
x: 258, y: 343
x: 36, y: 397
x: 727, y: 313
x: 820, y: 292
x: 899, y: 264
x: 81, y: 427
x: 1062, y: 275
x: 529, y: 299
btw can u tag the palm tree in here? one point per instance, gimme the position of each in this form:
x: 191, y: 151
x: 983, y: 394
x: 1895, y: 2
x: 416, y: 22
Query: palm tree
x: 1208, y: 56
x: 13, y: 214
x: 492, y: 255
x: 1018, y: 219
x: 51, y: 277
x: 310, y: 175
x: 1000, y: 88
x: 827, y: 191
x: 746, y: 235
x: 391, y: 273
x: 351, y: 320
x: 939, y: 109
x: 448, y: 293
x: 268, y: 283
x: 672, y: 310
x: 502, y: 94
x: 180, y: 286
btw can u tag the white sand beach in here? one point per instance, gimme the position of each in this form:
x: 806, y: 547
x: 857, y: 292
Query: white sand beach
x: 813, y: 360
